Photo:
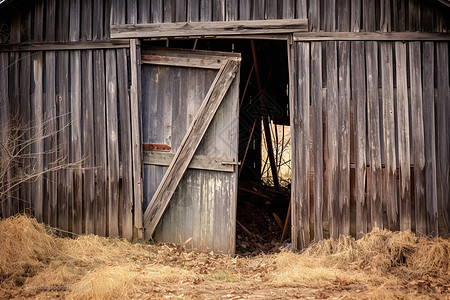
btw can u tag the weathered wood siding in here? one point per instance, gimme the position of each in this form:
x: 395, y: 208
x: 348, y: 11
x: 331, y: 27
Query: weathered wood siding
x: 81, y: 100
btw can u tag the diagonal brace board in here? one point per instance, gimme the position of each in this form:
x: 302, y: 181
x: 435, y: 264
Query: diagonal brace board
x: 189, y: 145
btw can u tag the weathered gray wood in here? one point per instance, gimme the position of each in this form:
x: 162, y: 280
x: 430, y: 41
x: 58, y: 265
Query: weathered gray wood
x: 188, y: 147
x: 414, y: 15
x: 257, y: 9
x: 74, y: 26
x: 218, y: 10
x: 415, y: 64
x: 50, y: 20
x: 387, y: 86
x: 63, y: 20
x: 370, y: 36
x: 316, y: 99
x: 100, y: 143
x: 201, y: 162
x: 385, y: 16
x: 368, y: 15
x: 344, y: 134
x: 343, y: 15
x: 38, y: 145
x: 443, y: 131
x: 301, y: 11
x: 125, y: 145
x: 374, y: 142
x: 205, y: 10
x: 112, y: 44
x: 63, y: 108
x: 429, y: 138
x: 332, y: 139
x: 136, y: 142
x: 87, y: 81
x: 193, y: 11
x: 26, y: 199
x: 314, y: 16
x: 207, y: 28
x: 144, y: 12
x: 287, y: 8
x: 358, y: 75
x: 398, y: 16
x: 330, y: 16
x: 4, y: 131
x: 86, y: 20
x: 38, y: 30
x: 112, y: 144
x: 175, y: 61
x: 244, y: 9
x: 403, y: 137
x: 301, y: 159
x: 355, y: 15
x: 97, y: 17
x: 231, y: 10
x: 157, y: 11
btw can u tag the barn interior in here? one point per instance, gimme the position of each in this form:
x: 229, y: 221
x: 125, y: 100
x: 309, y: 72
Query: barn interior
x: 263, y: 207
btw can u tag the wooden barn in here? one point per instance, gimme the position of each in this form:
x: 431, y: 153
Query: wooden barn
x: 142, y: 113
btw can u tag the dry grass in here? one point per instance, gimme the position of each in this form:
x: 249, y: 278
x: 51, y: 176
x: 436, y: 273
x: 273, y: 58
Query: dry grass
x: 382, y: 265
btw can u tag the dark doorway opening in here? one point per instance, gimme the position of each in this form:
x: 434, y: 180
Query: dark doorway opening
x: 263, y: 223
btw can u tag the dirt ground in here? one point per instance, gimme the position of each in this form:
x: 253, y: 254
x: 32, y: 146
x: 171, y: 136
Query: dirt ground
x: 34, y: 263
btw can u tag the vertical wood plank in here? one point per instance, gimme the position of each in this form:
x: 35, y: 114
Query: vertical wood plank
x: 257, y: 9
x: 358, y: 75
x: 169, y: 11
x: 50, y: 144
x: 429, y: 138
x: 414, y: 15
x: 193, y: 10
x: 75, y: 120
x: 87, y: 81
x: 218, y: 10
x: 86, y: 20
x: 373, y: 117
x: 100, y: 205
x: 332, y: 138
x: 4, y: 132
x: 144, y: 11
x: 330, y: 15
x: 38, y: 30
x: 136, y: 142
x: 443, y: 130
x: 403, y: 137
x: 301, y: 10
x: 355, y: 15
x: 157, y: 12
x: 301, y: 159
x: 270, y: 10
x: 26, y: 198
x: 125, y: 134
x: 63, y: 138
x: 415, y: 64
x: 390, y: 192
x: 244, y: 9
x: 63, y: 21
x: 50, y: 20
x: 38, y: 145
x: 316, y: 99
x: 180, y: 11
x: 344, y: 136
x: 398, y: 15
x: 368, y: 15
x: 112, y: 143
x: 132, y: 11
x: 288, y: 9
x: 314, y: 16
x: 385, y: 15
x: 97, y: 17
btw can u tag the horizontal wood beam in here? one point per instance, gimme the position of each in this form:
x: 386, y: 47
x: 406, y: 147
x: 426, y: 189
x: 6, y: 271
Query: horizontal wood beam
x: 208, y: 28
x: 87, y: 45
x: 371, y: 36
x: 199, y: 162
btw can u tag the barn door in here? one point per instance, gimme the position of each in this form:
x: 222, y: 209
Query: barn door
x: 190, y: 136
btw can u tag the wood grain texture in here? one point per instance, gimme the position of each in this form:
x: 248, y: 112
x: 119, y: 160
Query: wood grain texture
x: 387, y: 98
x: 417, y: 136
x: 370, y: 36
x: 316, y: 122
x: 187, y: 148
x: 403, y: 137
x: 443, y: 131
x: 429, y: 138
x: 344, y: 135
x: 207, y: 28
x: 4, y: 120
x: 358, y: 78
x: 374, y: 141
x: 332, y: 138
